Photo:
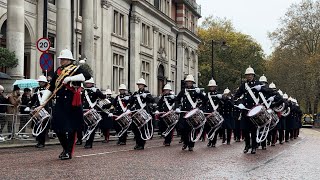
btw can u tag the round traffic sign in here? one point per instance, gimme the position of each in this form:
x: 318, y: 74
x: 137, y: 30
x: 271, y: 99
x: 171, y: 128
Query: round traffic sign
x: 46, y: 62
x: 43, y: 44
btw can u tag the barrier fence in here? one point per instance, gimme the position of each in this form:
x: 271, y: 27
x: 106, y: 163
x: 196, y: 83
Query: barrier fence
x: 13, y: 120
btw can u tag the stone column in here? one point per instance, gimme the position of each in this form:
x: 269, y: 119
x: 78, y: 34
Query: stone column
x: 87, y: 32
x: 64, y: 30
x: 154, y: 77
x: 107, y: 59
x: 15, y: 35
x: 196, y: 70
x: 180, y: 64
x: 135, y: 61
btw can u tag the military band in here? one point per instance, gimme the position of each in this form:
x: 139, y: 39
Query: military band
x: 192, y: 111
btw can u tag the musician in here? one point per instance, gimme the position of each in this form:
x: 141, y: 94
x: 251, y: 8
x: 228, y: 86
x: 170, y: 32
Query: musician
x: 90, y: 95
x: 288, y: 120
x: 165, y: 104
x: 120, y: 104
x: 35, y: 102
x: 227, y: 105
x: 67, y: 111
x: 276, y: 99
x: 213, y: 103
x: 107, y: 122
x: 296, y: 115
x: 282, y: 122
x: 186, y: 101
x: 140, y: 99
x: 248, y: 127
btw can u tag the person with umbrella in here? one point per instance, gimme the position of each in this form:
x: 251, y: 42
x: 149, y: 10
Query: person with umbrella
x: 14, y: 99
x: 24, y: 111
x: 67, y: 112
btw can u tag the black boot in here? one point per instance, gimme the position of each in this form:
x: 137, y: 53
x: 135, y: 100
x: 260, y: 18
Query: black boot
x: 66, y: 156
x: 184, y: 147
x: 61, y: 154
x: 79, y: 142
x: 246, y: 149
x: 253, y: 151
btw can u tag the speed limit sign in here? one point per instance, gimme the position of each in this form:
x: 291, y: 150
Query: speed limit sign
x: 43, y: 44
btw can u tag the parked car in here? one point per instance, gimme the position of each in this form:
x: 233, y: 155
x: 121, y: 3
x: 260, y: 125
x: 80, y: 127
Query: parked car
x: 307, y: 120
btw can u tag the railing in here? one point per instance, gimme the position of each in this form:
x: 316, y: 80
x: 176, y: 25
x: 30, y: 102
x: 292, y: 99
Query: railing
x: 11, y: 124
x: 194, y: 5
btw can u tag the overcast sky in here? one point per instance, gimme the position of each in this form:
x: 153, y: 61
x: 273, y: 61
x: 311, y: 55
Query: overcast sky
x: 252, y: 17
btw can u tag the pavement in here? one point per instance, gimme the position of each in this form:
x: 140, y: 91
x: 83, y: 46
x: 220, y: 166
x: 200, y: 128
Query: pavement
x: 298, y: 159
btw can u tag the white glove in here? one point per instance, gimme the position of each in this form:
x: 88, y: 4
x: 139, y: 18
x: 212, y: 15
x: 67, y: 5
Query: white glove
x: 197, y: 90
x: 271, y: 99
x: 126, y: 98
x: 94, y: 89
x: 219, y: 96
x: 46, y: 94
x: 66, y: 80
x: 144, y: 95
x: 204, y: 93
x: 27, y: 109
x: 128, y: 111
x: 157, y: 112
x: 78, y: 77
x: 241, y: 106
x: 178, y: 110
x: 110, y: 115
x: 172, y: 96
x: 257, y: 87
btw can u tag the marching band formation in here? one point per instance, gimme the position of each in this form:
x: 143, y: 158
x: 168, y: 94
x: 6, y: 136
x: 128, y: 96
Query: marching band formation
x: 256, y: 112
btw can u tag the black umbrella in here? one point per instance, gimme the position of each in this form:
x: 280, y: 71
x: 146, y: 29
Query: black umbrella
x: 4, y: 76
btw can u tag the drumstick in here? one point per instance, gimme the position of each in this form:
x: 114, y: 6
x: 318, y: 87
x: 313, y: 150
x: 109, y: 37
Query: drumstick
x: 194, y: 89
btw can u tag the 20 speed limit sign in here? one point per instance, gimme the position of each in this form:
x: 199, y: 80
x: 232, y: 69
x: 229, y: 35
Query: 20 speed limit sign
x: 43, y: 44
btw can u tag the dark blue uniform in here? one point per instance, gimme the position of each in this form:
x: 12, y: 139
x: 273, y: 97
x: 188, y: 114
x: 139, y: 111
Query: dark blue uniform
x: 117, y: 110
x: 134, y: 105
x: 93, y: 95
x: 227, y: 106
x: 183, y: 103
x: 67, y: 110
x: 162, y: 107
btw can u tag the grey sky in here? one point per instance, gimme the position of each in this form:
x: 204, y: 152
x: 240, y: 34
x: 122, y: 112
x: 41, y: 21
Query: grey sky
x: 252, y: 17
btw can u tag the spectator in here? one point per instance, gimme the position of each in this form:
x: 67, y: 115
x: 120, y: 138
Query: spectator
x: 14, y: 100
x: 3, y: 109
x: 24, y: 111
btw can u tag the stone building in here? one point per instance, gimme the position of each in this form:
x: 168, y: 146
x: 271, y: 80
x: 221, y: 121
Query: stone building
x: 123, y: 40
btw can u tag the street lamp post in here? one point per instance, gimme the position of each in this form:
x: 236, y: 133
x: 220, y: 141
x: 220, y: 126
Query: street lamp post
x: 223, y: 46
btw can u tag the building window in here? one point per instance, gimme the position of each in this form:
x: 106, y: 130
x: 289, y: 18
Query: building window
x: 79, y: 50
x: 80, y: 8
x: 173, y: 77
x: 52, y: 2
x: 186, y: 18
x: 118, y: 71
x: 118, y: 23
x: 52, y: 38
x: 145, y: 37
x: 145, y: 71
x: 192, y: 23
x: 173, y: 51
x: 162, y: 41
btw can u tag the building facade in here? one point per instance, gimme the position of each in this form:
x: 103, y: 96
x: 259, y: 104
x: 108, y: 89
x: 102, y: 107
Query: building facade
x: 123, y: 40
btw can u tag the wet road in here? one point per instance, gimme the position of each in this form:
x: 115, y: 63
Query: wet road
x: 298, y: 159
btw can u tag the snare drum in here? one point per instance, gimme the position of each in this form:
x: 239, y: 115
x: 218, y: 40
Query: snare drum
x: 259, y: 116
x: 141, y: 117
x: 170, y: 118
x: 41, y: 116
x: 214, y: 119
x: 102, y: 103
x: 274, y: 119
x: 91, y: 117
x: 195, y: 118
x: 124, y: 120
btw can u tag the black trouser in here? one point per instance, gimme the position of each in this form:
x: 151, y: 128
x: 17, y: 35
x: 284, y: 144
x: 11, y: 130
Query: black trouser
x: 118, y: 128
x: 2, y: 122
x: 237, y: 131
x: 281, y: 135
x: 67, y: 141
x: 91, y: 137
x: 137, y: 135
x: 250, y: 135
x: 289, y: 134
x: 41, y: 138
x: 185, y: 134
x: 229, y: 134
x: 79, y: 134
x: 214, y: 140
x: 163, y: 127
